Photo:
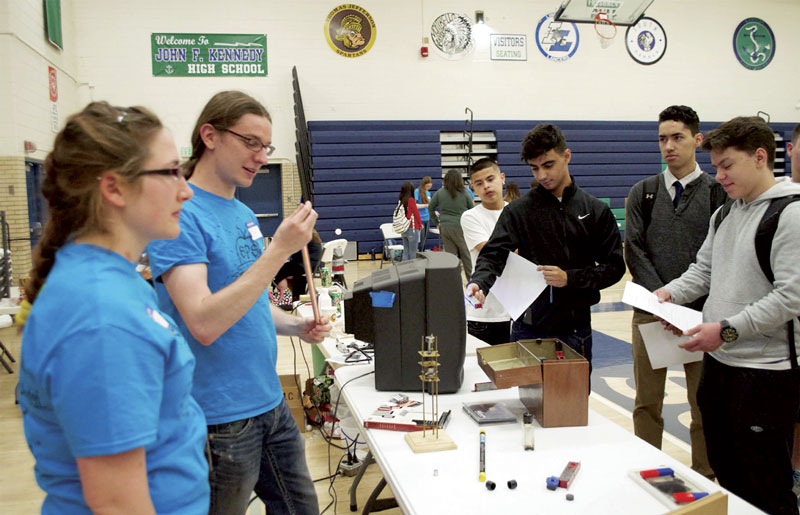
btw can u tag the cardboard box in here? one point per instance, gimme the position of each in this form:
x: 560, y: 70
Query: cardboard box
x: 294, y: 398
x: 553, y: 379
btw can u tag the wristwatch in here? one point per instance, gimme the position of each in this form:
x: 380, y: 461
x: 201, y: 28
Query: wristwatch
x: 727, y: 332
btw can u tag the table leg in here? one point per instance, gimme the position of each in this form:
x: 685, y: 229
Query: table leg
x: 364, y: 464
x: 4, y: 352
x: 375, y: 504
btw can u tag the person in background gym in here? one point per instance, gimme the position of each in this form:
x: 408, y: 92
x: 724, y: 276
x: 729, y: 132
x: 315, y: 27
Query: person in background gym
x: 422, y: 198
x: 490, y: 322
x: 451, y: 201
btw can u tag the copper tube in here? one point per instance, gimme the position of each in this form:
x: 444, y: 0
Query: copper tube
x: 312, y: 292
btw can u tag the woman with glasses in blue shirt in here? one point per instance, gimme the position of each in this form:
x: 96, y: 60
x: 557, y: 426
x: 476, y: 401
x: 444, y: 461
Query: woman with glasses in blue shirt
x: 106, y: 378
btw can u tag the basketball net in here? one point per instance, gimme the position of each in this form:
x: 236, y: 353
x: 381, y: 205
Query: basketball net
x: 606, y: 29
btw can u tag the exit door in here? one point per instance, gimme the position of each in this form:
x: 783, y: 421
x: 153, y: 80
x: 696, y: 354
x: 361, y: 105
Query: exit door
x: 264, y: 198
x: 37, y: 207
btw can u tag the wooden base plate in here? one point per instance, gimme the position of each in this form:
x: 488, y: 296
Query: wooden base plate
x: 430, y: 443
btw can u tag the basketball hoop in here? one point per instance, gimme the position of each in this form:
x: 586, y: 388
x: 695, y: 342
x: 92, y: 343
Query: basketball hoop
x: 605, y: 28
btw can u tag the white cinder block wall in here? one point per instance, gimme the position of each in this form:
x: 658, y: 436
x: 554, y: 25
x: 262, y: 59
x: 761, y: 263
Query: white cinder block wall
x: 107, y: 57
x: 25, y: 111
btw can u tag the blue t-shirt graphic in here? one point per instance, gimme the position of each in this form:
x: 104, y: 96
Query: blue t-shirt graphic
x: 235, y: 377
x: 103, y: 372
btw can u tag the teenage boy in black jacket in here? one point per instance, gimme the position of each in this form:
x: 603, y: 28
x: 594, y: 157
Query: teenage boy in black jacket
x: 571, y: 235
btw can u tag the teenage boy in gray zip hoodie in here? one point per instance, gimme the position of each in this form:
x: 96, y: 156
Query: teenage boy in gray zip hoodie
x: 749, y: 393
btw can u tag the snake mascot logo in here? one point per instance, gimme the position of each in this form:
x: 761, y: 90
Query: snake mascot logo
x: 754, y: 44
x: 350, y: 30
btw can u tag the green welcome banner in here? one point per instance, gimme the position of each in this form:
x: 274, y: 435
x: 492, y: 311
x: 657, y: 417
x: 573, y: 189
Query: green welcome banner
x: 209, y: 55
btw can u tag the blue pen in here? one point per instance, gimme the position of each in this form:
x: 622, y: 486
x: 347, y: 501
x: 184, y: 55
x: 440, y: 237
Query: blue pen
x: 551, y: 295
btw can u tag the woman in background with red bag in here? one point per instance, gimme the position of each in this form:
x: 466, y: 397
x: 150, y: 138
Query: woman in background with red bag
x: 411, y: 236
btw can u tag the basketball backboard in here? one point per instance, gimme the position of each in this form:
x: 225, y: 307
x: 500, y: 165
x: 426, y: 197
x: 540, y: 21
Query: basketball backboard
x: 620, y: 12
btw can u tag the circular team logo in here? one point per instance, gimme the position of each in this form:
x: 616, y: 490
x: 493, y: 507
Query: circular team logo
x: 646, y: 41
x: 451, y: 34
x: 350, y: 30
x: 557, y: 40
x: 754, y: 44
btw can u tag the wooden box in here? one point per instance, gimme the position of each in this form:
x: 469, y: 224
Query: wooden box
x: 554, y: 388
x: 509, y: 364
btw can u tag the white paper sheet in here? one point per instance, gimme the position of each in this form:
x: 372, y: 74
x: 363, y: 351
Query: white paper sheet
x: 639, y: 297
x: 680, y: 316
x: 662, y: 346
x: 519, y: 285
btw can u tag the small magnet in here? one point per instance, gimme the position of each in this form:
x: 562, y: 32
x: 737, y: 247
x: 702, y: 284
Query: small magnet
x: 552, y: 483
x: 570, y: 497
x: 665, y: 471
x: 490, y: 485
x: 512, y: 484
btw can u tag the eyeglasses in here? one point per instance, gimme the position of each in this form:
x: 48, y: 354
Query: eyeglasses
x: 175, y: 173
x: 252, y: 144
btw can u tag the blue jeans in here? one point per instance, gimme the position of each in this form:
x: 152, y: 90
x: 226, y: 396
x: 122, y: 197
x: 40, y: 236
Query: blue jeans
x: 423, y: 235
x: 410, y: 242
x: 580, y: 340
x: 265, y: 454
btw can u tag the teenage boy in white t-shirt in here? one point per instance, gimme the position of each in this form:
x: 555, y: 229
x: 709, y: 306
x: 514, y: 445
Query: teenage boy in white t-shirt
x: 490, y: 322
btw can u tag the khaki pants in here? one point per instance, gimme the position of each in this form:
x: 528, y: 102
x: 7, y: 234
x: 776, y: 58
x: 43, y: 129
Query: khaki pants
x: 648, y: 423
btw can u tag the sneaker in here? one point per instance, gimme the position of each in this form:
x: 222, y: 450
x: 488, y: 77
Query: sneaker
x: 796, y: 484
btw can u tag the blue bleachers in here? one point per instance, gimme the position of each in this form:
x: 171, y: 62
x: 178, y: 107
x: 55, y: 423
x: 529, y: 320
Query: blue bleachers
x: 360, y: 165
